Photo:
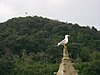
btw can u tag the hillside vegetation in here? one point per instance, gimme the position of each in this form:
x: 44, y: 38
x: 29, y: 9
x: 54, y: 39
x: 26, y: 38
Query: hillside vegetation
x: 27, y: 46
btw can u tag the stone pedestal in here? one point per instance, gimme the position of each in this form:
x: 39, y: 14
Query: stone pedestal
x: 66, y: 66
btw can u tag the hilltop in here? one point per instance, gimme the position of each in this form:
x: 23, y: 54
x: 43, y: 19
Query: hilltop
x: 33, y: 39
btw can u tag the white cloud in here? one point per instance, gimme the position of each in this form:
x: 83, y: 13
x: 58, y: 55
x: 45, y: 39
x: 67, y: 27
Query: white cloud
x: 84, y: 12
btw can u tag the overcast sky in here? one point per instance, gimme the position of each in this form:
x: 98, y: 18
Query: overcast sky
x: 83, y: 12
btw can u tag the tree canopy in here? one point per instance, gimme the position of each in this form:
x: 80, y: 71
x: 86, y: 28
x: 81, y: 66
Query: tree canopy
x: 27, y: 46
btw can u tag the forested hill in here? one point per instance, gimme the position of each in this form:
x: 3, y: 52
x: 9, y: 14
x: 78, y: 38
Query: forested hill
x: 32, y: 40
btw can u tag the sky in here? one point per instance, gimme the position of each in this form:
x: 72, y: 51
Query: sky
x: 82, y: 12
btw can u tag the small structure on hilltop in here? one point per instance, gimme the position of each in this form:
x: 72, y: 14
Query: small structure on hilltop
x: 66, y: 66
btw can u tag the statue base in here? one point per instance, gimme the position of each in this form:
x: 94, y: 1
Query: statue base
x: 66, y: 66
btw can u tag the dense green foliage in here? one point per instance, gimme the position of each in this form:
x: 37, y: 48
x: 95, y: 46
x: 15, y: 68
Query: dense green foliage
x: 27, y: 46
